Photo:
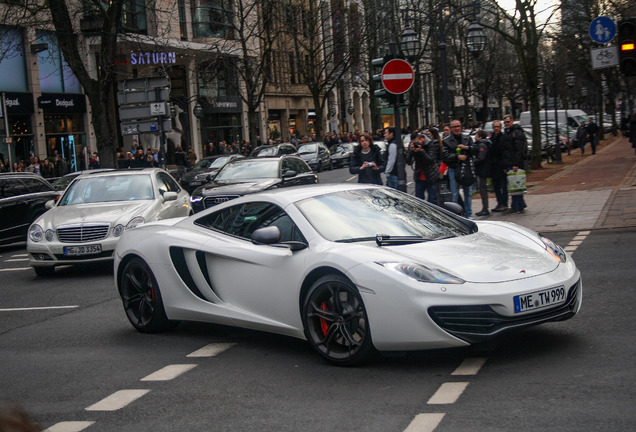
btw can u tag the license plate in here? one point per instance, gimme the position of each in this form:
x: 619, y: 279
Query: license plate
x: 82, y: 250
x: 196, y: 183
x: 539, y: 299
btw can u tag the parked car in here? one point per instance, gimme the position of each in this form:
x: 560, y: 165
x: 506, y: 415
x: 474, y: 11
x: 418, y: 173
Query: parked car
x: 250, y: 175
x: 274, y: 150
x: 316, y: 155
x: 341, y: 154
x: 62, y: 182
x: 22, y: 199
x: 86, y: 222
x: 348, y: 267
x: 205, y: 170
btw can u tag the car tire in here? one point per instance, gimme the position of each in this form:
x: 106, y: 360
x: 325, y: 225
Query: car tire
x: 335, y: 321
x: 319, y: 167
x: 142, y: 299
x: 44, y: 271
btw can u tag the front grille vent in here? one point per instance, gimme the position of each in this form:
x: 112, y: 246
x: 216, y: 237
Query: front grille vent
x: 82, y: 233
x: 214, y: 200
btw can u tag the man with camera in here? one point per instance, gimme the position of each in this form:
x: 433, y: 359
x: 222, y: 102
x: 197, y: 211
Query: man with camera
x: 458, y: 149
x: 424, y: 154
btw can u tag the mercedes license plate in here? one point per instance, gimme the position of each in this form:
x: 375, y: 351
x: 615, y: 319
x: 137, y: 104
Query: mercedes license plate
x: 539, y: 299
x: 82, y: 250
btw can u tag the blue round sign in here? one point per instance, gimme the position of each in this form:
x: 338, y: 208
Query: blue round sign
x: 602, y: 30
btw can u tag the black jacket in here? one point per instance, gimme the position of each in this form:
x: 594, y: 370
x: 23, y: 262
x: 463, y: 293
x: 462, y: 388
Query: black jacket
x: 426, y: 159
x: 482, y: 161
x: 514, y: 147
x: 496, y: 156
x: 367, y: 175
x: 449, y: 149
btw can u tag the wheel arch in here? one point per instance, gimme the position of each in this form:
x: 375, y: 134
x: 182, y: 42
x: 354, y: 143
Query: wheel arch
x: 312, y: 277
x: 122, y: 266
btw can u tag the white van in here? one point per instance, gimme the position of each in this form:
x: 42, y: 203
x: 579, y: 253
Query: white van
x: 574, y: 117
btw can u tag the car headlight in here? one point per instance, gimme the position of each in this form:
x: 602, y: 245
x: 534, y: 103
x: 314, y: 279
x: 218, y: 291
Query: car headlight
x: 134, y: 222
x: 554, y: 249
x: 49, y: 234
x: 422, y: 273
x: 118, y: 230
x: 195, y: 199
x: 36, y: 233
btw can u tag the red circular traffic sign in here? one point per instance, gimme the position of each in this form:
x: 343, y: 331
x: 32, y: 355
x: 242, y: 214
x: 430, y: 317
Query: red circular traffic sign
x: 397, y: 76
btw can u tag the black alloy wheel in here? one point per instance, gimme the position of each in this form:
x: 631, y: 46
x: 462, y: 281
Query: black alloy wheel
x: 335, y: 321
x: 141, y: 297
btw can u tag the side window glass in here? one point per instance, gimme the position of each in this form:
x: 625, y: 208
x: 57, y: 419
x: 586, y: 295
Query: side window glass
x: 35, y: 185
x: 300, y: 166
x: 169, y: 182
x: 286, y: 165
x: 161, y: 184
x: 12, y: 187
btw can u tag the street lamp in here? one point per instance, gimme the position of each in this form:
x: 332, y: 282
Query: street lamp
x: 443, y: 19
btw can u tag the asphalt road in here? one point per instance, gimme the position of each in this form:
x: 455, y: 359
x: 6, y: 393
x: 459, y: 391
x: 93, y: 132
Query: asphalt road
x: 69, y: 356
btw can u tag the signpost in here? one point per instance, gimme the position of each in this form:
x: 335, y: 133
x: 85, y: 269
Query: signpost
x: 143, y: 107
x: 604, y: 57
x: 602, y: 30
x: 397, y: 76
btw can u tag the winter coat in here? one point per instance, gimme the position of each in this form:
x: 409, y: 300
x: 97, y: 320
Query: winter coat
x: 367, y: 175
x: 426, y: 159
x: 449, y: 149
x: 496, y: 156
x: 514, y: 147
x: 482, y: 161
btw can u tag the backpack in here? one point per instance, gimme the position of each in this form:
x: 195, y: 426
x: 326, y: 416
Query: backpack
x: 465, y: 172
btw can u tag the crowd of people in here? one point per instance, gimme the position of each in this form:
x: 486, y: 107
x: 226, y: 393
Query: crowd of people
x: 49, y: 167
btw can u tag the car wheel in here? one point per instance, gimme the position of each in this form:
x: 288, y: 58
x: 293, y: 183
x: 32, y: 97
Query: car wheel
x: 44, y: 271
x: 141, y: 297
x: 335, y: 321
x: 319, y: 167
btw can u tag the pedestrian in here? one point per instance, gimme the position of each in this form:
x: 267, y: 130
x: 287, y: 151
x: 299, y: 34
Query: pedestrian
x: 94, y: 162
x: 192, y: 156
x: 497, y: 168
x: 180, y: 160
x: 446, y: 130
x: 423, y: 155
x: 47, y: 169
x: 592, y: 134
x: 483, y: 169
x: 459, y: 149
x: 391, y: 169
x: 514, y: 143
x: 581, y: 137
x: 61, y: 166
x: 366, y: 161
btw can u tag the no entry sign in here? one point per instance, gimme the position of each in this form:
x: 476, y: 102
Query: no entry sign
x: 397, y: 76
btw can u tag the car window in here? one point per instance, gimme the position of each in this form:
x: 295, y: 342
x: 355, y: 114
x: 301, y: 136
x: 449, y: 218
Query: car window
x: 12, y: 187
x: 167, y: 183
x: 287, y: 149
x: 243, y: 219
x: 36, y: 185
x: 298, y: 165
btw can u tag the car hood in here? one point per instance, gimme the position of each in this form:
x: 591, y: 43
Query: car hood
x: 236, y: 188
x: 484, y: 257
x: 114, y: 212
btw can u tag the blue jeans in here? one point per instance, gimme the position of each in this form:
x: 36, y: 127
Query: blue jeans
x: 424, y: 187
x: 392, y: 181
x: 454, y: 187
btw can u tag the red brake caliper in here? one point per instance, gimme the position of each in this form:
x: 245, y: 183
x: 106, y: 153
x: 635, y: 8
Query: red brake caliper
x: 323, y: 324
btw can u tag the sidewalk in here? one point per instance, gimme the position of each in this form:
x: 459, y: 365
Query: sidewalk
x: 585, y: 192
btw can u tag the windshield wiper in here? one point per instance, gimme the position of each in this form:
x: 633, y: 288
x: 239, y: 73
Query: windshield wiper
x: 387, y: 240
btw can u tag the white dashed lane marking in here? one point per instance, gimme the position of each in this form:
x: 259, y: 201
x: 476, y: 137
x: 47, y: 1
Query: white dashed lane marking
x: 38, y: 308
x: 211, y: 350
x: 576, y: 241
x: 425, y: 422
x: 117, y: 400
x: 69, y: 426
x: 448, y: 393
x: 169, y: 372
x: 15, y: 269
x: 470, y: 366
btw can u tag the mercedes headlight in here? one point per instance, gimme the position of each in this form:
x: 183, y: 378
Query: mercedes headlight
x: 422, y: 273
x: 134, y: 222
x: 36, y: 233
x: 554, y: 249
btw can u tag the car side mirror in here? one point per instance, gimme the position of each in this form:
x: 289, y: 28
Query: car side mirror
x: 170, y: 196
x: 267, y: 235
x: 289, y: 174
x: 49, y: 204
x: 454, y: 207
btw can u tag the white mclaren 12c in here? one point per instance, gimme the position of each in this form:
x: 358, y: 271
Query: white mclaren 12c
x: 351, y: 268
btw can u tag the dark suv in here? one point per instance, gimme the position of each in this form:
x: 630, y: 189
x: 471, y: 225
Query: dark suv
x: 22, y: 199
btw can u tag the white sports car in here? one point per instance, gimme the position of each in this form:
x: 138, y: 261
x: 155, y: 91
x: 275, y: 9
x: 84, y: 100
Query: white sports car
x: 351, y: 268
x: 86, y: 222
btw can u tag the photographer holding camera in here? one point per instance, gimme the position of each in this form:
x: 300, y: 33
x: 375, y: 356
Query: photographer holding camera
x: 366, y: 161
x: 424, y: 152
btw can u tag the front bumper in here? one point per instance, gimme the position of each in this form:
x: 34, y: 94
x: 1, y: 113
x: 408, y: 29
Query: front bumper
x: 50, y: 254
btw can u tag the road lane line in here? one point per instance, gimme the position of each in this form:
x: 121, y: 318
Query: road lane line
x: 425, y: 422
x: 38, y: 308
x: 15, y: 269
x: 211, y: 350
x: 117, y: 400
x: 448, y: 393
x: 69, y: 426
x: 169, y: 372
x: 470, y: 366
x: 20, y: 255
x: 570, y: 248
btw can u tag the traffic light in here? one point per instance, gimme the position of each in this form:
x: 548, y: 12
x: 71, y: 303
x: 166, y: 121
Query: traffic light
x: 381, y: 92
x: 627, y: 46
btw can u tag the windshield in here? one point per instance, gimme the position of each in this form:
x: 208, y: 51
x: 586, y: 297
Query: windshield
x: 266, y: 151
x: 123, y: 187
x: 211, y: 163
x: 308, y: 148
x: 363, y: 214
x: 249, y: 170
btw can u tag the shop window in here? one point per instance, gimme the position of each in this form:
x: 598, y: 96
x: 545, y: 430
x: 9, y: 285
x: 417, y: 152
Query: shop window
x: 215, y: 82
x: 133, y: 16
x: 12, y: 64
x: 212, y: 18
x: 182, y: 20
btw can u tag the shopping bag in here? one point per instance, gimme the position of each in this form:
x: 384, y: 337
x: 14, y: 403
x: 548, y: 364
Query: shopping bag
x: 516, y: 182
